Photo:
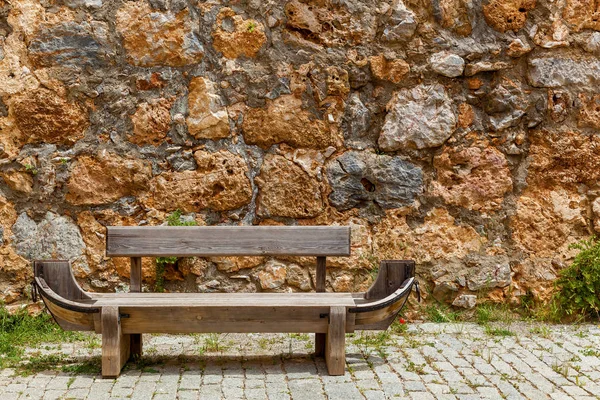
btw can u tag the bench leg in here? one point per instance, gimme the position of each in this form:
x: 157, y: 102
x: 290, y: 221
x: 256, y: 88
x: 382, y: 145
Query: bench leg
x: 320, y: 339
x: 335, y: 352
x: 115, y: 345
x: 136, y: 345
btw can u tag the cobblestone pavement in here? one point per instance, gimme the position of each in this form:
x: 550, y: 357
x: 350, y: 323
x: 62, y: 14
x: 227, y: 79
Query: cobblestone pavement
x: 429, y: 361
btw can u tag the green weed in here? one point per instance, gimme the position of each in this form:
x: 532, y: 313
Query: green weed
x: 492, y: 331
x: 579, y: 284
x: 438, y: 313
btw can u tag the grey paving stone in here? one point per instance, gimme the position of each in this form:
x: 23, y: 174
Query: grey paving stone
x: 342, y: 391
x: 306, y: 389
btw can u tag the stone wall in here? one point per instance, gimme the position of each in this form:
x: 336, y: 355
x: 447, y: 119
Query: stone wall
x: 460, y: 133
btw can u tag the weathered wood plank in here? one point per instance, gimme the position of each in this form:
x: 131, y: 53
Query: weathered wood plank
x: 243, y: 301
x: 335, y: 353
x: 115, y: 345
x: 206, y: 241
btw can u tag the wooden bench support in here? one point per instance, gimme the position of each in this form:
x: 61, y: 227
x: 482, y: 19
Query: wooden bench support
x: 115, y: 345
x: 135, y: 286
x: 335, y: 353
x: 321, y: 274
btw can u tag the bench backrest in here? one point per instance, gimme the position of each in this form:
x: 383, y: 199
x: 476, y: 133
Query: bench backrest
x: 207, y: 241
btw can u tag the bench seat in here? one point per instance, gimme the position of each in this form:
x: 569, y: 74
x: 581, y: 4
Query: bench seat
x: 121, y: 318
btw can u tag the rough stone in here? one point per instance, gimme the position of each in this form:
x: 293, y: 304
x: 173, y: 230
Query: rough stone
x: 582, y: 14
x: 71, y: 44
x: 467, y: 301
x: 245, y: 38
x: 219, y: 183
x: 94, y: 236
x: 445, y: 292
x: 544, y: 219
x: 518, y: 48
x: 302, y: 17
x: 207, y: 117
x: 420, y: 117
x: 359, y: 179
x: 475, y: 177
x: 401, y: 25
x: 155, y: 38
x: 488, y: 272
x: 54, y: 237
x: 298, y: 277
x: 44, y: 116
x: 564, y: 71
x: 506, y: 104
x: 596, y: 210
x: 15, y: 275
x: 356, y: 122
x: 447, y: 64
x: 437, y: 238
x: 589, y: 113
x: 106, y: 177
x: 284, y: 121
x: 507, y: 15
x: 564, y: 158
x: 19, y: 181
x: 454, y: 15
x: 273, y: 275
x: 234, y: 264
x: 151, y: 123
x: 591, y: 44
x: 286, y: 190
x: 389, y: 70
x: 484, y: 66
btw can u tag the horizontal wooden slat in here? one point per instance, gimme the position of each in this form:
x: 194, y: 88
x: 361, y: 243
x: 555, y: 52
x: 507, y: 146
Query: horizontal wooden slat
x: 243, y: 302
x: 205, y: 241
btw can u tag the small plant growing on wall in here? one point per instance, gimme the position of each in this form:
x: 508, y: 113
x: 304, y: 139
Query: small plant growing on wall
x: 579, y: 284
x: 162, y: 263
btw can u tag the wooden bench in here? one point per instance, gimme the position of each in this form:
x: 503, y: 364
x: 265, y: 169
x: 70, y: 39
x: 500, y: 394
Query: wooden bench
x: 121, y: 318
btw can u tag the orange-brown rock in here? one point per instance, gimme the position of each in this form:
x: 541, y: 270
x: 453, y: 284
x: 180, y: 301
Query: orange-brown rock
x: 589, y: 113
x: 8, y: 216
x: 286, y: 190
x: 234, y: 264
x: 438, y: 238
x: 466, y: 115
x: 15, y: 275
x: 105, y: 178
x: 475, y: 177
x: 207, y: 117
x: 273, y: 275
x: 545, y: 219
x: 219, y: 183
x: 596, y: 210
x: 43, y: 116
x: 390, y: 70
x: 19, y: 181
x: 94, y: 237
x: 245, y: 38
x: 302, y: 17
x: 507, y: 15
x: 563, y: 157
x: 454, y: 14
x: 151, y: 123
x: 123, y: 268
x: 582, y: 14
x: 284, y: 121
x: 153, y: 38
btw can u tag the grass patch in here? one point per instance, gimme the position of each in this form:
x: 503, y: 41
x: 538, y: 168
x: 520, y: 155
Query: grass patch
x: 439, y: 313
x: 493, y: 331
x: 21, y: 330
